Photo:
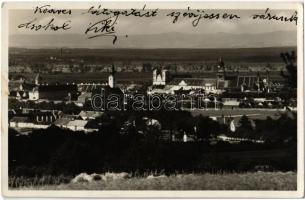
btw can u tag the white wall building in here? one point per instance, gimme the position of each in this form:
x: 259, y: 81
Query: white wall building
x: 111, y: 81
x: 159, y: 77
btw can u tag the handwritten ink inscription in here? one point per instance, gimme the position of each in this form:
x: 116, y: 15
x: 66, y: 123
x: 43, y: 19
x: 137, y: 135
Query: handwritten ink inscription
x: 269, y: 16
x: 105, y: 26
x: 197, y: 15
x: 51, y: 25
x: 46, y: 9
x: 130, y: 12
x: 35, y: 26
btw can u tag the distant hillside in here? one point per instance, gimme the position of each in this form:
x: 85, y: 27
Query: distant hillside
x: 165, y: 40
x: 256, y: 55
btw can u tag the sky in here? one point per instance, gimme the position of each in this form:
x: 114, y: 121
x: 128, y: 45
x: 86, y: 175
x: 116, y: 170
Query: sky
x: 157, y: 25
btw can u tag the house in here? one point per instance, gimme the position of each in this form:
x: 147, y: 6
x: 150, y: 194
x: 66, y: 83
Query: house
x: 21, y: 122
x: 19, y: 89
x: 62, y: 122
x: 89, y: 87
x: 82, y: 98
x: 77, y: 125
x: 33, y: 119
x: 230, y: 102
x: 86, y: 115
x: 165, y: 83
x: 80, y: 125
x: 53, y: 92
x: 223, y: 137
x: 206, y: 84
x: 46, y: 117
x: 182, y: 85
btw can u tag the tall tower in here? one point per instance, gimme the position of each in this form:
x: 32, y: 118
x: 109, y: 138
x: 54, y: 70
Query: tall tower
x: 111, y: 78
x: 258, y: 84
x: 159, y: 76
x: 221, y: 73
x: 37, y: 79
x: 268, y: 82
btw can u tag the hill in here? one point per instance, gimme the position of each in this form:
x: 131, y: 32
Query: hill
x: 163, y: 40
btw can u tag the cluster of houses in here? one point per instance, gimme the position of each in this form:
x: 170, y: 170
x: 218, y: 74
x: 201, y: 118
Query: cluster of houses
x: 223, y: 84
x: 225, y: 89
x: 166, y: 83
x: 27, y: 119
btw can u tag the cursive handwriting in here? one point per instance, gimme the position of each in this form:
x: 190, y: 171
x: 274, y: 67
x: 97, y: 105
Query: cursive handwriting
x: 268, y: 16
x: 130, y: 12
x: 47, y: 10
x: 106, y: 26
x: 35, y: 26
x: 103, y: 27
x: 197, y: 15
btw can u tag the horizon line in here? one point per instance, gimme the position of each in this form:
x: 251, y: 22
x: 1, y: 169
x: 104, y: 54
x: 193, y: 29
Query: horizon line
x: 121, y: 48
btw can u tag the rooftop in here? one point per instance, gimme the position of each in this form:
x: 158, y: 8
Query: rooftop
x: 193, y: 81
x: 20, y: 119
x: 79, y: 123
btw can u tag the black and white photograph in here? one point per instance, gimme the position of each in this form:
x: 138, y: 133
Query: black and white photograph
x: 152, y: 99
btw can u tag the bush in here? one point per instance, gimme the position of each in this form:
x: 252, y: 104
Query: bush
x: 55, y: 151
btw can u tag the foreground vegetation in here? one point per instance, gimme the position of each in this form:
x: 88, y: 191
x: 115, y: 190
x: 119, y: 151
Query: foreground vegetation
x: 220, y: 181
x: 55, y: 151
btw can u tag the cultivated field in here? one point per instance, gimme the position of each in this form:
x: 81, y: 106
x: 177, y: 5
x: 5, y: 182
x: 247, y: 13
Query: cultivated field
x: 232, y: 181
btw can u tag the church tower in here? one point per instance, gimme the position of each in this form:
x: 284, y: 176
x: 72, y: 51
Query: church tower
x: 37, y: 79
x: 221, y: 70
x: 111, y: 78
x: 221, y: 74
x: 159, y: 76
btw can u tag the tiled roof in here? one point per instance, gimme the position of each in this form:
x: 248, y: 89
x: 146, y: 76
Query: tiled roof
x: 85, y: 95
x: 78, y: 123
x: 54, y: 88
x: 90, y: 114
x: 62, y: 121
x: 20, y: 119
x: 15, y: 86
x: 90, y: 87
x: 193, y: 81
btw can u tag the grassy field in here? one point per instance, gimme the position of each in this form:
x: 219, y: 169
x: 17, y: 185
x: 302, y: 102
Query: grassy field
x: 232, y: 181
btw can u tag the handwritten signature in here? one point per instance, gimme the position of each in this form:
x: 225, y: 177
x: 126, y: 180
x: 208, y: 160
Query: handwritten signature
x: 103, y: 27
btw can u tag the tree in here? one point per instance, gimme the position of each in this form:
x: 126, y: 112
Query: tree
x: 245, y: 130
x: 206, y: 127
x: 291, y: 68
x: 245, y: 123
